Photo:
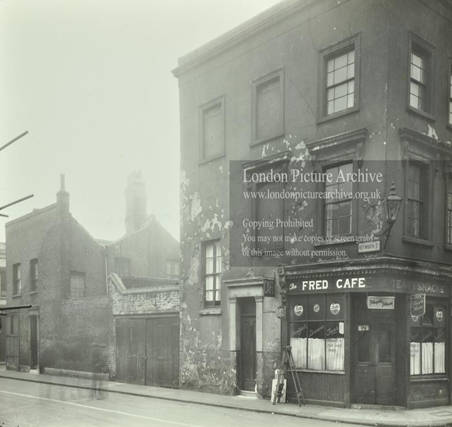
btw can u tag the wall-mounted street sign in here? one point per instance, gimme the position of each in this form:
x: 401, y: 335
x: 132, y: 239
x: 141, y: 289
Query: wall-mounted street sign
x: 381, y: 303
x: 373, y: 246
x: 417, y: 304
x: 363, y: 328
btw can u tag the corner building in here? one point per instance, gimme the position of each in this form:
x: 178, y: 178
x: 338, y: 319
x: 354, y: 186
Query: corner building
x: 325, y: 87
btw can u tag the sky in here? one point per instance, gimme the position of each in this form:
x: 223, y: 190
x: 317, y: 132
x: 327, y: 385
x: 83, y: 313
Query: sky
x: 91, y: 82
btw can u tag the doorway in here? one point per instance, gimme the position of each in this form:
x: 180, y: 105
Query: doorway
x: 34, y: 338
x: 248, y: 343
x: 147, y: 351
x: 374, y: 342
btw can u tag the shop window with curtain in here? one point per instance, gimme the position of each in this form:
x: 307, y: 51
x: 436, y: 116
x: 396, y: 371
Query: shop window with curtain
x: 316, y: 326
x: 428, y: 341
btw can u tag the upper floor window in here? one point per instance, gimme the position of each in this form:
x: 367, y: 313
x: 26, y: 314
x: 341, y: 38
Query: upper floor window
x: 212, y: 130
x: 212, y: 272
x: 17, y: 281
x: 33, y: 275
x: 172, y: 267
x: 340, y: 82
x: 2, y: 284
x: 417, y: 194
x: 268, y: 107
x: 337, y: 215
x: 123, y: 266
x: 418, y: 86
x: 12, y: 324
x: 340, y: 66
x: 449, y: 209
x: 77, y: 285
x: 421, y: 69
x: 450, y: 93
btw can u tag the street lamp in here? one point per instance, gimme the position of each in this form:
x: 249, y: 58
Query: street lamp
x: 393, y: 203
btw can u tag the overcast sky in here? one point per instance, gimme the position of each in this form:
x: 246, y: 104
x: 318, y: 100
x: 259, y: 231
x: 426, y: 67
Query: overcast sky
x: 91, y: 81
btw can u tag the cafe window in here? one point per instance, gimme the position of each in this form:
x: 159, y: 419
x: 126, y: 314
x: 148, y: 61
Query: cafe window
x: 428, y: 341
x: 317, y: 332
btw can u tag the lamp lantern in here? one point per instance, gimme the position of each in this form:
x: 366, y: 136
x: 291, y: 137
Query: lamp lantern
x: 393, y: 203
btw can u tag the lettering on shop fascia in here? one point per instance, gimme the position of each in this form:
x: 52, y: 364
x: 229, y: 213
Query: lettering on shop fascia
x: 364, y: 284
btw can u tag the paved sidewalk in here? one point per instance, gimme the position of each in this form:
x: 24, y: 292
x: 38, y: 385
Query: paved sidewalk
x: 440, y: 416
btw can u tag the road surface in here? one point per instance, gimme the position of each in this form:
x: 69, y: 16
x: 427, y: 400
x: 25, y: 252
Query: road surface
x: 28, y: 404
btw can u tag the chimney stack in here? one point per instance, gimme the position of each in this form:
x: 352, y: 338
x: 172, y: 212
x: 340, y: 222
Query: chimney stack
x: 63, y: 195
x: 136, y: 201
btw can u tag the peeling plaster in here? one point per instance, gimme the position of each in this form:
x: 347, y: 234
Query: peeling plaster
x: 432, y: 132
x: 195, y: 208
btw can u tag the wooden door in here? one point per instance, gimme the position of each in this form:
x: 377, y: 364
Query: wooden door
x: 131, y: 350
x: 385, y: 368
x: 12, y: 342
x: 248, y: 343
x: 162, y: 352
x: 34, y: 361
x: 374, y: 353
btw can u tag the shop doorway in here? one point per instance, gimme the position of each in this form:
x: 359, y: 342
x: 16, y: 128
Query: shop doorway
x: 374, y: 342
x: 248, y: 343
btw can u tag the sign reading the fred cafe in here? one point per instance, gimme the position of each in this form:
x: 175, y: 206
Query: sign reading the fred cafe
x: 366, y: 284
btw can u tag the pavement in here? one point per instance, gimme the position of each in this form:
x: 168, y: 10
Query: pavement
x: 429, y: 417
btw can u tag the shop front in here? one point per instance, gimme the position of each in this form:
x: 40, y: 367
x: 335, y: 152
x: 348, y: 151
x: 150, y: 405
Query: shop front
x: 369, y: 336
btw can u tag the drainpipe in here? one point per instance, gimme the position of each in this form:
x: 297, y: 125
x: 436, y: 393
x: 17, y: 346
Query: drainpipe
x: 106, y: 270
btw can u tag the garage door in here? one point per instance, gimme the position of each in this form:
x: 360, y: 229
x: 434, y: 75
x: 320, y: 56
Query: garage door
x: 147, y: 351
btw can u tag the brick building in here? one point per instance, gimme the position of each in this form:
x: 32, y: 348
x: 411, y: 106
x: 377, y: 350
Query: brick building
x: 56, y: 266
x: 77, y: 298
x: 311, y: 91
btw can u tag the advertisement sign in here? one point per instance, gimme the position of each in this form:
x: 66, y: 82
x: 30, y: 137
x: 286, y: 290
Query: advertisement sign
x: 381, y: 303
x: 417, y: 305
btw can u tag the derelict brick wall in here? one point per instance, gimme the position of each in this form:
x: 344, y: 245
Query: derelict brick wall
x: 70, y: 325
x: 143, y: 301
x: 87, y: 256
x: 148, y: 249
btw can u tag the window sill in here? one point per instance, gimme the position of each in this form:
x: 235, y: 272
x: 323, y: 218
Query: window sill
x: 312, y: 371
x: 428, y: 378
x: 448, y: 247
x: 418, y: 241
x: 17, y: 296
x: 33, y: 292
x: 266, y: 139
x: 211, y: 159
x: 347, y: 240
x: 338, y: 115
x: 267, y: 252
x: 210, y: 311
x: 421, y: 113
